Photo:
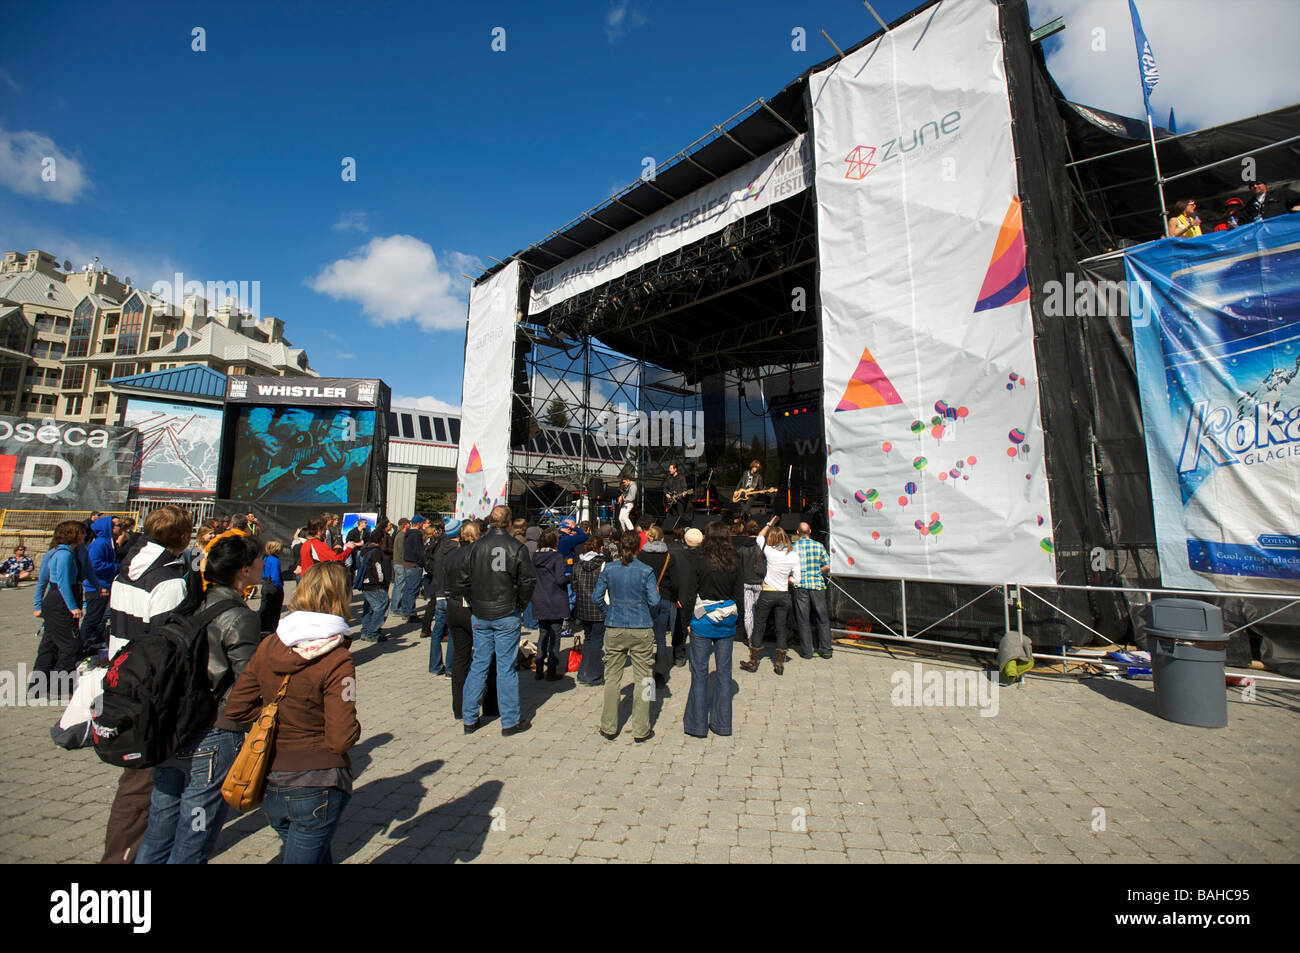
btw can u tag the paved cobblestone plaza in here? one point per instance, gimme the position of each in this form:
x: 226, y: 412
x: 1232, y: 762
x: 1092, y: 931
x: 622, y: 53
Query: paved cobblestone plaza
x: 822, y: 768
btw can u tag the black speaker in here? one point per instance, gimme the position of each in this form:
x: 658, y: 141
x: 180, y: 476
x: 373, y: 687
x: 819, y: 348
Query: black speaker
x: 701, y: 521
x: 790, y: 522
x: 669, y: 524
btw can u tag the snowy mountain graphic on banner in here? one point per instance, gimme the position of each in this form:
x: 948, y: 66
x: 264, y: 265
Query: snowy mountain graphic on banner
x: 1006, y: 281
x: 868, y: 387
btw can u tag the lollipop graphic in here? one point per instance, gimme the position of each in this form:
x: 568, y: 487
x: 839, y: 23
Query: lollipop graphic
x: 1047, y: 546
x: 872, y: 496
x: 1016, y: 435
x: 920, y: 463
x: 910, y: 488
x: 917, y: 427
x: 860, y: 496
x: 835, y: 469
x: 886, y: 446
x: 935, y: 527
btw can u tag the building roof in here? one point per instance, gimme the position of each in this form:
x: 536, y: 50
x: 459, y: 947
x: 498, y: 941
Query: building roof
x: 101, y: 302
x: 193, y: 381
x: 216, y: 341
x: 33, y: 287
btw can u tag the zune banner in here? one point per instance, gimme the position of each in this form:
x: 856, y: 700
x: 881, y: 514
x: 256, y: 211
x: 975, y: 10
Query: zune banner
x: 54, y: 465
x: 1217, y: 335
x: 302, y: 454
x: 934, y: 443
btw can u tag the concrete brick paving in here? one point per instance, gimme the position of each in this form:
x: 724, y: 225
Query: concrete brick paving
x: 821, y: 769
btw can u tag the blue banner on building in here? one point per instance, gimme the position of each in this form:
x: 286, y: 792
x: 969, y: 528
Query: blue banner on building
x: 1216, y: 326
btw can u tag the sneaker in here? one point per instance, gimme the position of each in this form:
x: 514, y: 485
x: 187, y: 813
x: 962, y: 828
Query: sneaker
x: 470, y: 729
x: 646, y: 737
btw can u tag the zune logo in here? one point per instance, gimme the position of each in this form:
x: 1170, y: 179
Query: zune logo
x: 859, y: 161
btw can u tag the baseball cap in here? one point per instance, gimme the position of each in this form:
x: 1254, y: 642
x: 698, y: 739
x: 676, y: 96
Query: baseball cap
x: 693, y: 537
x: 417, y: 520
x: 568, y: 523
x: 1234, y: 202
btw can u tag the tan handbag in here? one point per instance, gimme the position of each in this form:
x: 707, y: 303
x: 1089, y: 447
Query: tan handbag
x: 246, y: 781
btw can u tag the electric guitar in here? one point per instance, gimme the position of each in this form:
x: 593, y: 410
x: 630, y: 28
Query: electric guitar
x: 672, y: 498
x: 740, y: 495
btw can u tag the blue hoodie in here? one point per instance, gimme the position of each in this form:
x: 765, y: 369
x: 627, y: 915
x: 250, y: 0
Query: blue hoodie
x: 103, y: 560
x: 58, y: 568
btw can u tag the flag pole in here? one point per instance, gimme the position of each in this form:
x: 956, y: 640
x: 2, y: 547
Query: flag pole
x: 1160, y: 182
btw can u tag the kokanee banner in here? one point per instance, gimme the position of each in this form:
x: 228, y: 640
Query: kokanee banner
x: 482, y: 479
x: 300, y: 391
x: 1216, y: 331
x: 777, y: 175
x: 57, y: 465
x: 935, y: 451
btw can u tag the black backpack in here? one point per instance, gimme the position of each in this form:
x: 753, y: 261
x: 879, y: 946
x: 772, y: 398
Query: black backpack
x: 156, y: 692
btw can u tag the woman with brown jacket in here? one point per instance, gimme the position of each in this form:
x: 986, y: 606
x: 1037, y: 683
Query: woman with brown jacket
x: 310, y: 781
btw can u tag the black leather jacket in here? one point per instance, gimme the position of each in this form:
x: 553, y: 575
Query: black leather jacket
x: 233, y: 637
x: 496, y: 576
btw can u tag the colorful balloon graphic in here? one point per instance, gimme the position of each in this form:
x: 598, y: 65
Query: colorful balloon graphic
x: 835, y: 469
x: 1047, y: 546
x: 920, y: 463
x: 910, y: 488
x: 943, y: 475
x: 886, y: 446
x: 954, y: 473
x: 935, y: 528
x: 860, y: 496
x: 917, y: 427
x: 875, y: 534
x: 919, y: 524
x: 971, y: 460
x: 902, y: 501
x: 872, y: 496
x: 941, y: 407
x: 1016, y: 435
x: 963, y: 412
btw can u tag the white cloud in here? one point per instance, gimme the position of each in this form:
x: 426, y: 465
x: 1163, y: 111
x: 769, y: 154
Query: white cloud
x: 622, y: 17
x: 10, y: 81
x: 432, y: 404
x: 24, y: 161
x: 399, y: 278
x: 1218, y: 61
x: 346, y: 356
x: 352, y: 222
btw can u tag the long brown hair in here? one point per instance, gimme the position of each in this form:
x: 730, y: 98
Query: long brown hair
x: 629, y: 544
x: 717, y: 547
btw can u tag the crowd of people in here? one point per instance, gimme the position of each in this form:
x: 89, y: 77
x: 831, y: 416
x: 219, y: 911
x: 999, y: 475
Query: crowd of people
x: 1185, y: 221
x: 638, y: 599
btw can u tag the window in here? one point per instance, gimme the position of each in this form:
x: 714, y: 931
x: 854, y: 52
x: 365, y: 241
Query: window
x: 101, y: 403
x: 123, y: 370
x: 56, y: 350
x: 128, y: 341
x: 61, y: 325
x: 72, y: 406
x: 454, y: 424
x: 426, y: 432
x: 40, y: 349
x: 392, y: 425
x: 45, y: 322
x: 408, y: 429
x: 13, y: 332
x: 110, y: 324
x: 110, y: 346
x: 155, y: 343
x: 83, y: 323
x: 440, y: 429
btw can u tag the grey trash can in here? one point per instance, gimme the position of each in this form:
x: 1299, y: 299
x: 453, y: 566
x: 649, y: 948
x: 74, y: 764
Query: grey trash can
x: 1188, y: 647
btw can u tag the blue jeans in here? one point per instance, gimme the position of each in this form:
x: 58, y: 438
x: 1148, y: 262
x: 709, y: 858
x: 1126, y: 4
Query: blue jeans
x: 592, y: 669
x: 660, y: 618
x: 305, y: 819
x: 435, y: 640
x: 186, y: 810
x: 530, y: 620
x: 92, y: 623
x: 705, y: 710
x: 500, y: 638
x: 409, y: 584
x: 374, y: 612
x: 814, y: 599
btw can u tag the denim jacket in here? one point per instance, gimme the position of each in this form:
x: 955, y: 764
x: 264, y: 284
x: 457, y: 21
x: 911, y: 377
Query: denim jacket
x: 632, y: 594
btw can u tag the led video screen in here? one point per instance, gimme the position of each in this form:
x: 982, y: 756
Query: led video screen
x: 302, y: 454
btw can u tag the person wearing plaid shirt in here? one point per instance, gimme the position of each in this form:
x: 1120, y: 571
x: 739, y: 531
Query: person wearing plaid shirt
x: 810, y: 594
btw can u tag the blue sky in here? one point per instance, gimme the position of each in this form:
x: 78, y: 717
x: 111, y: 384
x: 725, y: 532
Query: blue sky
x: 225, y: 164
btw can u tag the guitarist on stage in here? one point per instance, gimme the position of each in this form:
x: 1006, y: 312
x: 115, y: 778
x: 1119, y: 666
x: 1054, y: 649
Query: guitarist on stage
x: 674, y: 493
x: 750, y: 481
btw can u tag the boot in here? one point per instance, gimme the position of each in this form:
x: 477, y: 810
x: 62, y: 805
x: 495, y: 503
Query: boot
x: 538, y: 671
x: 778, y: 662
x: 752, y: 664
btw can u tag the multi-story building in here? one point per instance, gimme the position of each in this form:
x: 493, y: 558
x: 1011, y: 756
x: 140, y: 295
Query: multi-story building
x: 65, y: 334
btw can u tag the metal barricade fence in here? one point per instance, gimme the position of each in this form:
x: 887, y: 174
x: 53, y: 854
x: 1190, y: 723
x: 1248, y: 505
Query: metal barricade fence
x: 42, y: 522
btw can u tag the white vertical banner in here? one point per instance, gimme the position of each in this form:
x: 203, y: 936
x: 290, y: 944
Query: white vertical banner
x: 482, y: 475
x: 934, y: 445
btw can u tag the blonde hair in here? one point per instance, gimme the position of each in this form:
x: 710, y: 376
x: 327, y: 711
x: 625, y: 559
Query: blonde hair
x: 324, y: 588
x: 469, y: 532
x: 777, y: 539
x: 274, y: 547
x: 654, y: 534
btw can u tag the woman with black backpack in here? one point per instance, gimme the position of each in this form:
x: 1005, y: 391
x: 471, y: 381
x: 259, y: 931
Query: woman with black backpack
x: 186, y: 810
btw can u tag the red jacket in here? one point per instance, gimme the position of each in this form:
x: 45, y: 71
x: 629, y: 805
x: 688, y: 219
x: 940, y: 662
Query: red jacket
x: 316, y: 551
